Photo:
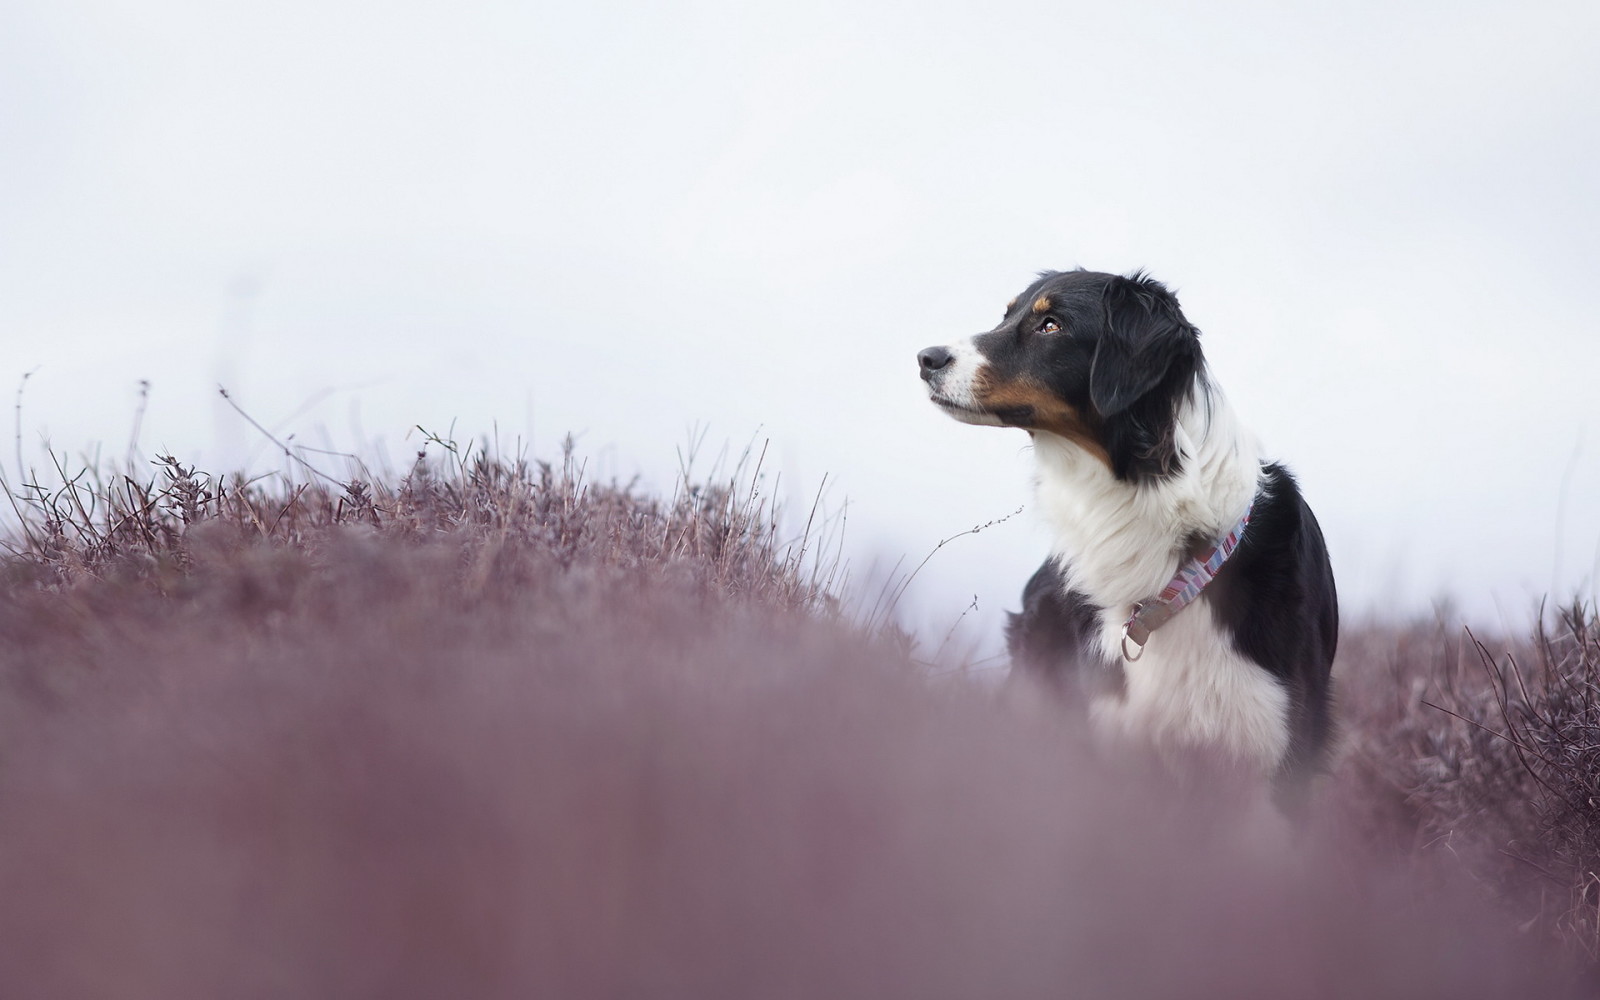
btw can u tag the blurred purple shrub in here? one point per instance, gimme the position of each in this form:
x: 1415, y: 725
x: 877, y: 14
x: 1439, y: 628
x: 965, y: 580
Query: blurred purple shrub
x: 495, y: 733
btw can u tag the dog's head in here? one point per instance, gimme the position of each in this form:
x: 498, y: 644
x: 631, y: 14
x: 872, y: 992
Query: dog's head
x: 1099, y: 359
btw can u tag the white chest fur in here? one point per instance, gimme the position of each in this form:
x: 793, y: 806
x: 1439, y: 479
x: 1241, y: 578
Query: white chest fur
x: 1190, y: 689
x: 1122, y: 542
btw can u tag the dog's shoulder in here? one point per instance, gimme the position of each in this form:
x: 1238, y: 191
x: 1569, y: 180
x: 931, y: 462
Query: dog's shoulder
x: 1053, y: 635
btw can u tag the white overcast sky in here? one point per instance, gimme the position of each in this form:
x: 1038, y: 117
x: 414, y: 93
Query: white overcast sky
x: 629, y: 220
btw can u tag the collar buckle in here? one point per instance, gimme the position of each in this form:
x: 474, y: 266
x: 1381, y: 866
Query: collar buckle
x: 1136, y: 630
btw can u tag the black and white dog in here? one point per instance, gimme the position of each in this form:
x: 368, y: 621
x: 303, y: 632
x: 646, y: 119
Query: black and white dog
x: 1188, y: 588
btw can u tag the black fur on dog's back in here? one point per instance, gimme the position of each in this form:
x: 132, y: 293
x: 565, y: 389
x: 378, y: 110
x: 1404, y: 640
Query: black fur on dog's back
x: 1276, y: 597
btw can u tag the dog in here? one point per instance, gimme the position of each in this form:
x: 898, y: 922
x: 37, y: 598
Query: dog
x: 1188, y: 596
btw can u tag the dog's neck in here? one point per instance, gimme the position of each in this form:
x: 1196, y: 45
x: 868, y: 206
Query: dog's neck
x: 1121, y: 541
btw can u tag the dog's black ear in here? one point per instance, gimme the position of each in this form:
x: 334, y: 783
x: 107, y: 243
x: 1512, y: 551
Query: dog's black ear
x: 1145, y: 337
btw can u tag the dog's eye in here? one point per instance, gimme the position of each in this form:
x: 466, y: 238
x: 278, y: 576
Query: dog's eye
x: 1048, y: 325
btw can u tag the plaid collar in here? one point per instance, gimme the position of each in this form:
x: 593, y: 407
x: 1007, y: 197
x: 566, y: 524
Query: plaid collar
x: 1182, y: 589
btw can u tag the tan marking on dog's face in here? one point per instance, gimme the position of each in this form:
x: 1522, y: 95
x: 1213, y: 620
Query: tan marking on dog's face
x: 1041, y: 304
x: 1011, y: 305
x: 1047, y: 412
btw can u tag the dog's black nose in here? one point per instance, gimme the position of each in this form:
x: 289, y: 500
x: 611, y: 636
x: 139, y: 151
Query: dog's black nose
x: 932, y: 359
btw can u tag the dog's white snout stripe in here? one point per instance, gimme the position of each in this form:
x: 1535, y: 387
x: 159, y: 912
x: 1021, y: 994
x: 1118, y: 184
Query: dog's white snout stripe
x: 956, y: 380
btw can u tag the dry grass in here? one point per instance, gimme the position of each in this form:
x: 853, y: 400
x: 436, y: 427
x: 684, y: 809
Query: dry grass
x: 496, y: 730
x: 721, y: 534
x: 1483, y: 756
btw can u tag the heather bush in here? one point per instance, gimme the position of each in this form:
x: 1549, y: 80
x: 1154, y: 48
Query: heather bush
x: 1487, y: 761
x: 495, y: 730
x: 723, y: 533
